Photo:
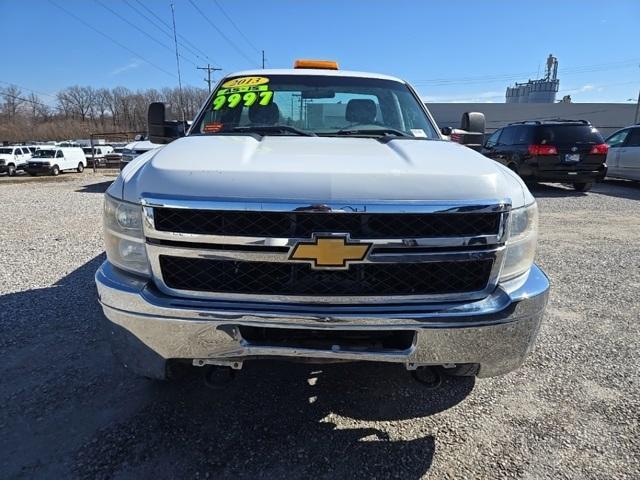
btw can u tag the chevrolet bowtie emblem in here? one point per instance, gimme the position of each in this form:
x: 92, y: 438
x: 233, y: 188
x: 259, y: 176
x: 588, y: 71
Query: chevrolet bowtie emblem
x: 333, y: 252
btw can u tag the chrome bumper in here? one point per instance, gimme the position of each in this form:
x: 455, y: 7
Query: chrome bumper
x: 147, y: 327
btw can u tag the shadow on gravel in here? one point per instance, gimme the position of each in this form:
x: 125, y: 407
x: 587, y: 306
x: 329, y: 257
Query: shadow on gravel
x: 95, y: 187
x: 546, y: 190
x: 613, y: 188
x: 619, y: 188
x: 276, y: 420
x: 71, y: 410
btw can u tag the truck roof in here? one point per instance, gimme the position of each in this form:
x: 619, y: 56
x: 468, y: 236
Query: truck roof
x: 313, y: 71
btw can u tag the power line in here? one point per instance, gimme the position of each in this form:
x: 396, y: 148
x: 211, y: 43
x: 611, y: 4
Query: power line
x: 146, y: 34
x: 220, y: 32
x: 29, y: 89
x: 23, y: 99
x: 184, y: 39
x: 108, y: 37
x: 570, y: 71
x: 233, y: 24
x: 161, y: 28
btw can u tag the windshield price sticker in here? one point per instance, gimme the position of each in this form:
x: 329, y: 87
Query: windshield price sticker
x: 245, y: 82
x: 245, y: 91
x: 247, y: 99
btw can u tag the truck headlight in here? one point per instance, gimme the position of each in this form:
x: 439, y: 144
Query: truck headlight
x: 123, y: 237
x: 521, y: 244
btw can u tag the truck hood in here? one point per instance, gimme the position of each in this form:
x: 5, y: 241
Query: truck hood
x: 317, y: 169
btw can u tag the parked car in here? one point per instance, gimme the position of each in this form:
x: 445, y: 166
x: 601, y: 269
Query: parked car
x: 98, y: 155
x: 115, y: 157
x: 350, y: 232
x: 13, y: 158
x: 623, y: 158
x: 32, y: 148
x: 564, y: 151
x: 133, y: 149
x: 53, y: 160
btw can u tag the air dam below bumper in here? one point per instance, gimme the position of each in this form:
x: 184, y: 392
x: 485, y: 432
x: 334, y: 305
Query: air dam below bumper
x: 147, y: 328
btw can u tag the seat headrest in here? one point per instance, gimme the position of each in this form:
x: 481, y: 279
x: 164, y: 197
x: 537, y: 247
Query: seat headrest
x: 264, y: 115
x: 360, y: 110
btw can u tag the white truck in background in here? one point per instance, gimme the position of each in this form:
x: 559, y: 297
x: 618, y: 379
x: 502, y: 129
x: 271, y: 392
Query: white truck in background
x: 13, y: 158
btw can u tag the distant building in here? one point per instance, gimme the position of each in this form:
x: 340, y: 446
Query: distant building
x: 543, y: 90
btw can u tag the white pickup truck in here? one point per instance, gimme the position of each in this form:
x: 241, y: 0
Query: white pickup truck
x: 317, y: 215
x: 13, y: 158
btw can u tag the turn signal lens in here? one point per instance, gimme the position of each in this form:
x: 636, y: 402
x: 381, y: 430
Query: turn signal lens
x: 542, y: 150
x: 600, y: 149
x: 320, y: 64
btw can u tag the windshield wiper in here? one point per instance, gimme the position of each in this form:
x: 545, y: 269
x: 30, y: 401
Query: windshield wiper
x: 374, y: 131
x: 271, y: 129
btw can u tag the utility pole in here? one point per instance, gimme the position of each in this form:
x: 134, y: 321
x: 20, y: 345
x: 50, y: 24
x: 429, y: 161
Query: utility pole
x: 637, y: 116
x: 263, y: 59
x: 209, y: 69
x: 175, y: 41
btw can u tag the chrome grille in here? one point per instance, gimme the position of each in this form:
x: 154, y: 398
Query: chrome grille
x: 239, y: 251
x: 305, y: 224
x: 271, y: 278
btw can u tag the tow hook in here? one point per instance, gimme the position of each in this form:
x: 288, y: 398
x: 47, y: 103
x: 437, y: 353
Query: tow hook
x: 428, y: 376
x: 217, y: 377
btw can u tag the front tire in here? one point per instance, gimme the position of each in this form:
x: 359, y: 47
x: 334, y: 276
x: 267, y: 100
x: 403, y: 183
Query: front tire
x: 55, y: 170
x: 582, y: 186
x: 11, y: 170
x: 80, y: 168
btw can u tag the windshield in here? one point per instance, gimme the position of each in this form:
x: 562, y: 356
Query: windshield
x: 44, y: 153
x: 6, y: 151
x: 87, y: 150
x: 315, y: 105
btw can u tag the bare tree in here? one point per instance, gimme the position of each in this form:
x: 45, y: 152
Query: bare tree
x: 102, y: 103
x: 82, y: 110
x: 12, y: 101
x: 79, y: 100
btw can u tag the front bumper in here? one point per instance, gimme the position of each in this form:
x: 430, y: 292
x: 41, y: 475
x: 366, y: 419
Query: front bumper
x: 37, y: 168
x: 569, y: 176
x: 148, y: 328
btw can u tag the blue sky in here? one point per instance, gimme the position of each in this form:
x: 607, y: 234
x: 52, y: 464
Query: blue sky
x: 451, y: 51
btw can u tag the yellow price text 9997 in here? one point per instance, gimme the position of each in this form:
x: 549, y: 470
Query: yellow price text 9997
x: 247, y: 99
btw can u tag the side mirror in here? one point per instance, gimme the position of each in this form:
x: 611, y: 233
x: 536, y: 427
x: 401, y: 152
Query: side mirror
x: 446, y: 131
x: 163, y: 129
x: 473, y: 122
x: 471, y: 133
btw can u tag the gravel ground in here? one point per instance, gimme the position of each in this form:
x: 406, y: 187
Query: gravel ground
x: 68, y: 410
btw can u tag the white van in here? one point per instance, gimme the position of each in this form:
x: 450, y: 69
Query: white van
x: 99, y: 152
x: 54, y: 160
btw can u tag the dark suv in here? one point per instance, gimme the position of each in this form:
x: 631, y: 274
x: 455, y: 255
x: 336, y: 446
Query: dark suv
x: 566, y: 151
